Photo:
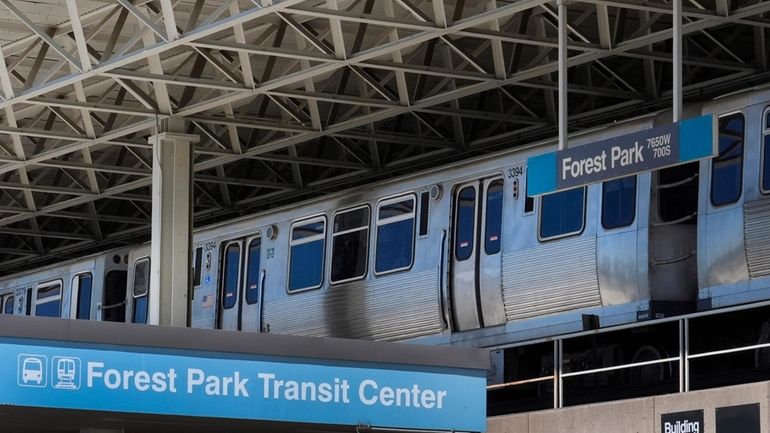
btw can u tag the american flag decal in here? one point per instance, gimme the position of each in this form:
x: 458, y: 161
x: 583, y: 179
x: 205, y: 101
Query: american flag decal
x: 208, y: 301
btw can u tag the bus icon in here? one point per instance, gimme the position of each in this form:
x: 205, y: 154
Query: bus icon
x: 65, y: 372
x: 31, y: 370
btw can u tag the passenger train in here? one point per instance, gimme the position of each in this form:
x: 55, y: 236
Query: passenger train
x: 461, y: 254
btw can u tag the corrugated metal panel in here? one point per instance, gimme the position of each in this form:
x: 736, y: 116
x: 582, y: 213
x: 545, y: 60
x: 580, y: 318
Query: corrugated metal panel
x: 392, y: 307
x: 550, y: 278
x: 757, y: 237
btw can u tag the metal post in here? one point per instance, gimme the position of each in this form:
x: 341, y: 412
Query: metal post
x: 562, y: 10
x: 560, y: 353
x: 170, y: 262
x: 677, y: 60
x: 686, y: 349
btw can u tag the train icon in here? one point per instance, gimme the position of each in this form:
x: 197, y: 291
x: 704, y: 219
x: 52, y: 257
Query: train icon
x: 65, y: 372
x: 32, y: 370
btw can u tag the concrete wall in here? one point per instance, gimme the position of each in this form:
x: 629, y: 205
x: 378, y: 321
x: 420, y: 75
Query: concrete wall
x: 642, y: 415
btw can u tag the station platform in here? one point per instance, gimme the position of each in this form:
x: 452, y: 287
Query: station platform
x: 86, y: 376
x: 732, y: 409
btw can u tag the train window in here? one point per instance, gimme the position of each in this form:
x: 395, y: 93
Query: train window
x: 85, y: 285
x: 395, y: 234
x: 562, y: 213
x: 465, y: 225
x: 727, y: 166
x: 140, y: 290
x: 350, y: 244
x: 306, y: 261
x: 766, y: 154
x: 424, y: 213
x: 252, y: 270
x: 529, y: 204
x: 197, y: 267
x: 618, y: 202
x: 114, y: 304
x: 494, y: 217
x: 231, y: 274
x: 8, y: 304
x: 48, y: 299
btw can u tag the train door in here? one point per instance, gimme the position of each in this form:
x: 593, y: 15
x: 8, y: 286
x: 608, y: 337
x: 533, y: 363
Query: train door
x: 7, y: 303
x: 113, y: 306
x: 251, y: 289
x: 229, y: 283
x: 476, y: 281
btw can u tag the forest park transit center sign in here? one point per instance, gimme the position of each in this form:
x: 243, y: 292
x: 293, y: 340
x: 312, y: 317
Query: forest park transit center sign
x: 218, y: 384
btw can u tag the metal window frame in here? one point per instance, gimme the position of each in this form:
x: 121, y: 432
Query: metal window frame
x: 367, y: 227
x: 486, y: 183
x: 52, y: 283
x: 711, y: 162
x: 636, y: 204
x: 385, y: 221
x: 224, y: 269
x: 75, y: 293
x: 133, y: 286
x: 293, y: 243
x: 763, y: 136
x: 561, y: 235
x: 5, y: 297
x: 456, y: 208
x: 246, y: 262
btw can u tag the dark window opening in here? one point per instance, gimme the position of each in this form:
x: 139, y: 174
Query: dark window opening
x: 231, y: 275
x: 85, y: 286
x: 766, y: 155
x: 465, y: 227
x: 197, y: 267
x: 48, y: 300
x: 727, y: 166
x: 395, y: 235
x: 493, y: 223
x: 562, y: 213
x: 619, y: 202
x: 306, y: 259
x: 677, y: 190
x: 114, y: 305
x: 350, y: 244
x: 8, y: 306
x: 252, y: 271
x: 140, y: 290
x: 424, y: 213
x: 529, y: 204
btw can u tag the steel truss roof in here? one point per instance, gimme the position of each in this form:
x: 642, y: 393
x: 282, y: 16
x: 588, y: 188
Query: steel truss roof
x: 293, y: 98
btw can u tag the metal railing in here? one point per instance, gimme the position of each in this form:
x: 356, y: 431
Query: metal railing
x: 682, y: 360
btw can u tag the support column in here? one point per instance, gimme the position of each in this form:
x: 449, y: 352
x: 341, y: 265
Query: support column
x: 562, y: 17
x: 677, y: 60
x: 170, y: 262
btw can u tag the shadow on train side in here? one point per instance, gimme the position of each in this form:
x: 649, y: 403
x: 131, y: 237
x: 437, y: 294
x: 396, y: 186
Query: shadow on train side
x: 462, y: 255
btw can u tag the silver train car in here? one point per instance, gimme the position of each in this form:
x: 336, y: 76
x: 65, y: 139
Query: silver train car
x: 461, y: 254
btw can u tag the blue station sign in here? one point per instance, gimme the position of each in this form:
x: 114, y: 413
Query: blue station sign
x: 651, y: 149
x: 226, y: 385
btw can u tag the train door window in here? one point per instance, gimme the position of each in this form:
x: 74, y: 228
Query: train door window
x: 8, y: 304
x: 48, y: 299
x: 618, y: 202
x: 231, y: 274
x: 114, y: 303
x: 424, y: 213
x: 465, y: 226
x: 306, y: 261
x: 84, y: 285
x: 28, y: 310
x: 252, y: 270
x: 493, y: 223
x: 562, y: 213
x: 140, y: 290
x: 395, y: 234
x: 727, y: 166
x: 197, y: 267
x: 766, y: 154
x: 350, y: 245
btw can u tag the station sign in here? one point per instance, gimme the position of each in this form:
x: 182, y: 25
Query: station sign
x: 647, y: 150
x: 690, y: 421
x: 254, y: 387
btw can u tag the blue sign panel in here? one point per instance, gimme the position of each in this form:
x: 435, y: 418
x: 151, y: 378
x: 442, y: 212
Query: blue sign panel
x: 223, y: 385
x: 647, y: 150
